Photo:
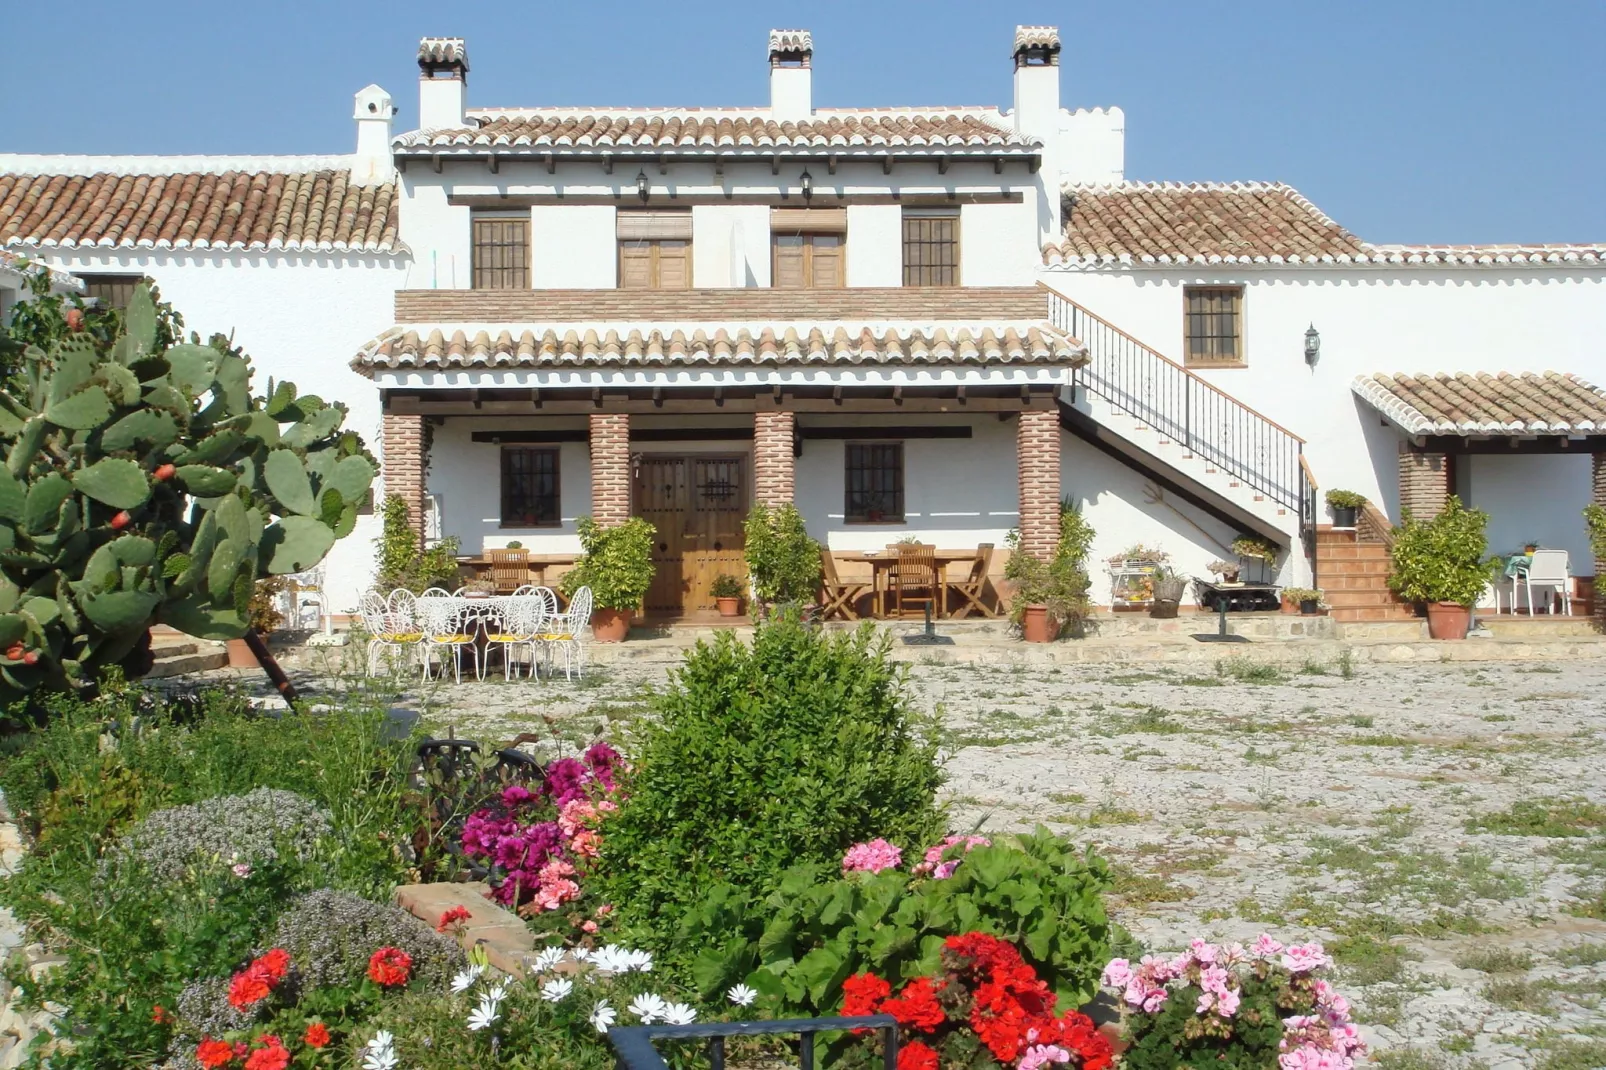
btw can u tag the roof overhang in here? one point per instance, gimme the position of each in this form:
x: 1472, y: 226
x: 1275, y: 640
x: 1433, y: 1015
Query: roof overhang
x: 1483, y: 405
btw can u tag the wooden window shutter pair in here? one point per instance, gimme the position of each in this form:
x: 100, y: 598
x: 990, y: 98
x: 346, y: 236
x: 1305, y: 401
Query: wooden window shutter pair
x: 654, y: 250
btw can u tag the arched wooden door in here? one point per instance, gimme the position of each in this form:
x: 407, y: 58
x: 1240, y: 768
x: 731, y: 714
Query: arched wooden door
x: 698, y: 504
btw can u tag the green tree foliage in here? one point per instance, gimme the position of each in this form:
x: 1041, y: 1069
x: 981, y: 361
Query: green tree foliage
x: 144, y: 483
x: 1595, y: 521
x: 783, y: 559
x: 617, y: 565
x: 1442, y: 560
x: 764, y: 757
x: 403, y: 563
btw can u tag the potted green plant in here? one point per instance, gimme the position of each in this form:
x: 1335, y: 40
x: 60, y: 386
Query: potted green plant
x: 783, y: 561
x: 1441, y: 564
x: 1308, y: 600
x: 727, y: 592
x: 1346, y: 505
x: 1227, y: 570
x: 1169, y: 585
x: 1050, y: 597
x: 262, y: 616
x: 617, y: 566
x: 1255, y: 548
x: 515, y: 544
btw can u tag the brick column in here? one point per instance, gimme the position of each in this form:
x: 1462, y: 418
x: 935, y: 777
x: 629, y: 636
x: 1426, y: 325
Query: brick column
x: 610, y: 468
x: 402, y: 454
x: 1424, y: 482
x: 774, y: 466
x: 1037, y: 462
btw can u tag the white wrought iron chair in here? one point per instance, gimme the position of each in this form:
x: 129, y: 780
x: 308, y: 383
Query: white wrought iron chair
x: 523, y: 621
x: 565, y: 632
x: 441, y: 617
x: 1547, y: 569
x: 391, y: 623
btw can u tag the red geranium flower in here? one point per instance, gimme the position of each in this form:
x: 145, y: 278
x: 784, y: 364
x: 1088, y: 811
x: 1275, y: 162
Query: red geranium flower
x: 159, y: 1016
x: 448, y: 917
x: 213, y: 1053
x: 316, y: 1036
x: 862, y: 994
x: 916, y: 1056
x: 917, y: 1006
x: 271, y: 1056
x: 275, y: 964
x: 390, y: 967
x: 248, y: 987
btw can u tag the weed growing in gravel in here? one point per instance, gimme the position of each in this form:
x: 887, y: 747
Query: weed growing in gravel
x: 1581, y: 955
x: 1408, y: 1058
x: 1515, y: 994
x: 1106, y: 814
x: 1248, y: 672
x: 1539, y: 669
x: 1495, y: 960
x: 1359, y: 720
x: 1366, y: 960
x: 1202, y: 681
x: 1346, y: 663
x: 1575, y: 1055
x: 1554, y: 817
x: 1135, y: 888
x: 1312, y: 667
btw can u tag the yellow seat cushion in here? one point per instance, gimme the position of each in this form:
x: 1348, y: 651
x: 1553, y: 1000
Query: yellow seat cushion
x: 509, y: 638
x: 453, y: 639
x: 403, y: 637
x: 555, y: 637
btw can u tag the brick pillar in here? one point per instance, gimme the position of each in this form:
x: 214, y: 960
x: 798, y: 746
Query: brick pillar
x: 404, y: 460
x: 774, y: 466
x: 610, y: 468
x: 1037, y: 461
x: 1424, y: 482
x: 1597, y: 486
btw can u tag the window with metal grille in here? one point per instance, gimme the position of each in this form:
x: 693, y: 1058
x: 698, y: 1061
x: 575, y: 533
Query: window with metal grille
x: 501, y: 252
x: 530, y: 488
x: 874, y: 483
x: 931, y: 247
x: 113, y: 291
x: 1213, y: 324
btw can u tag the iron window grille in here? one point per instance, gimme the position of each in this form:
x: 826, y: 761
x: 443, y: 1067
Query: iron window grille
x: 874, y: 481
x: 1214, y: 329
x: 530, y: 488
x: 930, y: 247
x: 501, y: 252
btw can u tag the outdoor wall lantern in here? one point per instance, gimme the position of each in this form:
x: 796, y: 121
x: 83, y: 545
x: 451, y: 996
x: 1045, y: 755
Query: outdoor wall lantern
x: 808, y: 185
x: 1313, y: 345
x: 641, y: 184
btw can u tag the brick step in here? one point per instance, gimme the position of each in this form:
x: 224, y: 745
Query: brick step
x: 1338, y: 580
x: 1373, y: 597
x: 1359, y: 566
x: 1365, y: 551
x: 1371, y: 613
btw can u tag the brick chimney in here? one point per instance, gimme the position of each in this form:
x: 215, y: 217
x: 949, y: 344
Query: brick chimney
x: 791, y: 75
x: 374, y: 112
x: 442, y: 82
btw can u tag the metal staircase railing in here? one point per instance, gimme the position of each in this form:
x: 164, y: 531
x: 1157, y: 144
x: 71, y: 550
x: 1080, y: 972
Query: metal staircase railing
x: 1179, y: 405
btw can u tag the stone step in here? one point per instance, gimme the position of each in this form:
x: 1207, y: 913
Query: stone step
x: 1351, y: 566
x: 1345, y: 614
x: 191, y: 659
x: 1364, y: 597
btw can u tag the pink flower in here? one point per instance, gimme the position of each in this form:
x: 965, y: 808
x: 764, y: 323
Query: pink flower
x: 241, y: 870
x: 935, y: 863
x: 1043, y: 1055
x: 588, y: 926
x: 946, y: 870
x: 1203, y: 953
x: 1303, y: 958
x: 1213, y: 980
x: 1265, y: 947
x: 1117, y: 973
x: 1227, y: 1004
x: 872, y: 857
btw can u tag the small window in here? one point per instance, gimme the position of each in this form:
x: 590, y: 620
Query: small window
x: 931, y: 247
x: 112, y: 291
x: 655, y: 249
x: 1214, y: 325
x: 808, y: 248
x: 501, y: 252
x: 530, y: 488
x: 874, y: 483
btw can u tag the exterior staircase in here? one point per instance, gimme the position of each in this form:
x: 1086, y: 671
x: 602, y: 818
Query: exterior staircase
x: 1353, y: 574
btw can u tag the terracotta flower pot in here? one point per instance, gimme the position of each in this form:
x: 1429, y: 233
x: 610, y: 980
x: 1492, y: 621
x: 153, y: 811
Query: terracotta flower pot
x: 240, y: 656
x: 1448, y: 620
x: 729, y: 607
x: 1290, y: 607
x: 1036, y: 627
x: 610, y: 625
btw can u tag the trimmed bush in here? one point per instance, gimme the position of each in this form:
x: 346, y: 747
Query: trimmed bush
x: 248, y: 829
x: 330, y: 936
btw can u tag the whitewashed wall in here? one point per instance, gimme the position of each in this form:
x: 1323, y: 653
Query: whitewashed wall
x: 1531, y: 498
x: 573, y: 247
x: 466, y: 476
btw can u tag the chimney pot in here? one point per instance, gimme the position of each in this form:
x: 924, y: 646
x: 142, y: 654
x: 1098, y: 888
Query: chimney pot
x: 442, y: 81
x: 791, y: 75
x: 373, y: 111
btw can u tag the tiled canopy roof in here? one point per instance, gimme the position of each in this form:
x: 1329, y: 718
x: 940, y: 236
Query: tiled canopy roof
x: 1151, y: 223
x: 17, y: 267
x: 791, y: 41
x: 442, y: 52
x: 308, y: 211
x: 1037, y: 37
x: 1483, y: 404
x: 515, y: 346
x: 981, y: 131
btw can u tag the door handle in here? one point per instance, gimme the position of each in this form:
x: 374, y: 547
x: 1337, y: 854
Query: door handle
x: 719, y: 546
x: 663, y: 547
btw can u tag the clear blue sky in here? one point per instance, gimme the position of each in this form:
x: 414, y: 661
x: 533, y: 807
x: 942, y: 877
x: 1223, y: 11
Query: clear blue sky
x: 1406, y: 120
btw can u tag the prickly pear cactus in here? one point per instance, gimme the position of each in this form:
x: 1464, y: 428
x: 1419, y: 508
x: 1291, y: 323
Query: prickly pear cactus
x: 148, y: 485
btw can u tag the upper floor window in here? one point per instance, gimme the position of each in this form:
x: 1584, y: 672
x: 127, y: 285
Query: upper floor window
x: 1214, y: 325
x: 874, y: 482
x: 931, y: 247
x: 501, y: 251
x: 113, y: 291
x: 529, y: 487
x: 809, y: 244
x: 655, y: 250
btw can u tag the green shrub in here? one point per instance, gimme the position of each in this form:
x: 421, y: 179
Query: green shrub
x: 403, y: 564
x: 1345, y: 499
x: 783, y: 560
x: 248, y: 829
x: 1442, y: 560
x: 1595, y: 521
x: 762, y: 758
x: 1060, y: 583
x: 617, y: 564
x: 820, y: 927
x: 330, y: 936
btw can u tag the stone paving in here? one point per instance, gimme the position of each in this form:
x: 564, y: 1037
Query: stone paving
x: 1441, y: 826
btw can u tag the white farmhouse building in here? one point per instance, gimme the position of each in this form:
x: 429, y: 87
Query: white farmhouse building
x: 911, y: 322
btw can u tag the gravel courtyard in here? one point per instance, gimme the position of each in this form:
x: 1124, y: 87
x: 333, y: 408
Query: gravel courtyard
x: 1441, y: 827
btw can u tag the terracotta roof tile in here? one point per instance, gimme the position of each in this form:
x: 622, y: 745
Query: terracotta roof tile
x: 1484, y: 404
x: 309, y: 210
x: 443, y: 52
x: 791, y: 41
x: 515, y: 345
x: 1037, y: 37
x: 703, y: 132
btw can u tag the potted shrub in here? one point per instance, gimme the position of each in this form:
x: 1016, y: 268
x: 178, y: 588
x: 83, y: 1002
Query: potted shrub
x: 1346, y: 506
x: 1227, y: 570
x: 783, y: 561
x: 1308, y: 600
x: 1169, y: 585
x: 617, y: 566
x: 727, y: 592
x: 1050, y: 597
x: 1255, y: 548
x: 1440, y: 563
x: 262, y: 616
x: 514, y: 544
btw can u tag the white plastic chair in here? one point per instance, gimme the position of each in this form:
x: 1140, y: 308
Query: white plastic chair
x: 1547, y: 569
x: 523, y: 620
x: 441, y: 617
x: 566, y: 632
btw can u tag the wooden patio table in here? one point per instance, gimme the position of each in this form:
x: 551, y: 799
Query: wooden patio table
x: 881, y: 563
x: 538, y: 565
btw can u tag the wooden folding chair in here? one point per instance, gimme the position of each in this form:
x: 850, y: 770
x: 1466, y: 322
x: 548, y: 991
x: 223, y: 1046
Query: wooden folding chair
x: 915, y: 570
x: 837, y: 597
x: 974, y: 585
x: 510, y: 569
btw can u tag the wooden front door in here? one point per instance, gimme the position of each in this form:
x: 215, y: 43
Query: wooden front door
x: 698, y: 504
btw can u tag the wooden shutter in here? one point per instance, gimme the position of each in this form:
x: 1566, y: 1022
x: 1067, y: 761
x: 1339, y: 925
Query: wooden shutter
x: 808, y: 220
x: 789, y: 253
x: 827, y: 261
x: 501, y: 252
x: 673, y: 225
x: 674, y: 265
x: 635, y: 265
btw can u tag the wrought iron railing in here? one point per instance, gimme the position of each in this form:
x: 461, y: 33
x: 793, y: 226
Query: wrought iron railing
x: 1187, y: 409
x: 636, y: 1051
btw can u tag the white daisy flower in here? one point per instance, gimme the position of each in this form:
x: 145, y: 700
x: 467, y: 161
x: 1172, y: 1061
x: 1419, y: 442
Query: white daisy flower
x: 498, y: 991
x: 603, y: 1016
x: 380, y: 1052
x: 610, y: 959
x: 465, y: 980
x: 648, y: 1007
x: 641, y: 961
x: 557, y: 990
x: 679, y: 1014
x: 484, y: 1016
x: 742, y: 996
x: 547, y: 959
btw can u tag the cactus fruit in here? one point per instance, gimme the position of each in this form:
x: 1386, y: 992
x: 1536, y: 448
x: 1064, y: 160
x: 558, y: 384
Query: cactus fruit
x: 145, y: 485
